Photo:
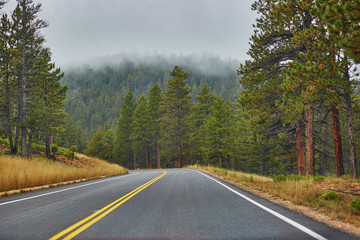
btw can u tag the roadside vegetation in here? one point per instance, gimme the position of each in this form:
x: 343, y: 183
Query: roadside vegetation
x: 335, y: 197
x: 20, y: 173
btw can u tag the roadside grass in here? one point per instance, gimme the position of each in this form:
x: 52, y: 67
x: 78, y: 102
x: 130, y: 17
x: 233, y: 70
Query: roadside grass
x: 312, y: 192
x: 19, y: 173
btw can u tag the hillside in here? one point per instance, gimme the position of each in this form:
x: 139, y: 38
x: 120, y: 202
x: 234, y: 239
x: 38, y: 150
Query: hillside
x: 24, y: 174
x: 96, y: 91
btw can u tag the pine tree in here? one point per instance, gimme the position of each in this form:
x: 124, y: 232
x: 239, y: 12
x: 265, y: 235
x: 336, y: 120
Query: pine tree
x: 342, y: 21
x: 100, y: 144
x: 155, y: 98
x: 47, y: 99
x: 122, y: 153
x: 28, y: 42
x: 174, y: 122
x: 8, y: 83
x: 199, y: 112
x: 141, y: 131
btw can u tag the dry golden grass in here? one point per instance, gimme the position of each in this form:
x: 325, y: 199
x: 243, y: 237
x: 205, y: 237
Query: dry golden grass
x: 18, y: 173
x: 305, y: 192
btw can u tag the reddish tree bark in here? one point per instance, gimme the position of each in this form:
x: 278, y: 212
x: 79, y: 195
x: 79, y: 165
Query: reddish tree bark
x: 300, y: 148
x: 310, y: 141
x: 337, y: 141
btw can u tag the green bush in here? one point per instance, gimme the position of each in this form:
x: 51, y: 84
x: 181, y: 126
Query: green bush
x: 293, y: 177
x: 356, y: 204
x: 319, y: 178
x: 279, y: 178
x: 331, y: 195
x: 346, y: 177
x: 5, y: 142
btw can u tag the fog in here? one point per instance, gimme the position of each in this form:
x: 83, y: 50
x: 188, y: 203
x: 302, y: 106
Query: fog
x: 83, y: 30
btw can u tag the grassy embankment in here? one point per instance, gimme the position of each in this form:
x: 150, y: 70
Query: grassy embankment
x: 324, y: 195
x: 19, y: 173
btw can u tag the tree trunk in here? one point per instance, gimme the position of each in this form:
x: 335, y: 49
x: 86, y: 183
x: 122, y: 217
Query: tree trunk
x: 29, y: 145
x: 179, y: 160
x: 337, y: 141
x: 47, y: 146
x: 158, y: 153
x: 350, y: 128
x: 324, y: 164
x: 147, y: 158
x: 300, y: 148
x: 351, y: 136
x: 220, y: 161
x: 16, y: 142
x: 310, y: 143
x: 134, y: 163
x: 7, y: 109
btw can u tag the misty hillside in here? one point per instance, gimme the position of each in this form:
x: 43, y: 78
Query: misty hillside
x: 96, y: 91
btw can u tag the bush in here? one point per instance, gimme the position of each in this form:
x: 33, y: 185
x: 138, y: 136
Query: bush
x: 279, y: 178
x: 356, y: 204
x: 331, y: 195
x: 319, y: 178
x: 346, y: 177
x: 72, y: 151
x: 293, y: 177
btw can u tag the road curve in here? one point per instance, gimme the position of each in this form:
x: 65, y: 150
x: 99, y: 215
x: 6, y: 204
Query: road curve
x: 170, y: 204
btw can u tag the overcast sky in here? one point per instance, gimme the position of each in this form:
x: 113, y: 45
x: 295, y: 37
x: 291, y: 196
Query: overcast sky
x: 82, y: 30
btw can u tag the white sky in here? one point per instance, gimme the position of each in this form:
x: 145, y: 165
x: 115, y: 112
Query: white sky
x: 82, y: 30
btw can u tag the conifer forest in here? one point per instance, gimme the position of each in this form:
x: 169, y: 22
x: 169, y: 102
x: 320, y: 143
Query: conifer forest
x: 292, y: 108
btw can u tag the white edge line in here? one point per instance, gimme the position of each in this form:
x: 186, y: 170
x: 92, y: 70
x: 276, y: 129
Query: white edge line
x: 282, y: 217
x: 63, y: 190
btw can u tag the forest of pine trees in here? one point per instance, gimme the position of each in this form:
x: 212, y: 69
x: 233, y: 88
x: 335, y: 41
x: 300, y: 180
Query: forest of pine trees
x: 32, y: 96
x: 297, y: 113
x: 292, y: 109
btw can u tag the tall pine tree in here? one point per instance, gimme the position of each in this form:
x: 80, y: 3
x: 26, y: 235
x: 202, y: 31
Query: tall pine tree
x: 174, y: 122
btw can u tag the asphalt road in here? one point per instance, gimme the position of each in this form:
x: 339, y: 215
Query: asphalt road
x: 176, y: 204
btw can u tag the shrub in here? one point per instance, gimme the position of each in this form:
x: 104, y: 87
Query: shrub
x: 72, y: 151
x: 331, y: 195
x: 319, y: 178
x: 345, y: 177
x: 293, y: 177
x: 279, y: 178
x: 356, y: 204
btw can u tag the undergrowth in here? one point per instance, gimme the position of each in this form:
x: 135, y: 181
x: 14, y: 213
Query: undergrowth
x: 18, y: 173
x: 300, y: 191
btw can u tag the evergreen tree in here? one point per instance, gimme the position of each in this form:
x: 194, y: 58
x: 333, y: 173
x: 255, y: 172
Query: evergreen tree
x: 175, y: 119
x: 141, y: 131
x: 199, y: 112
x: 28, y: 42
x: 8, y: 83
x: 122, y: 153
x: 155, y: 98
x: 101, y: 144
x: 45, y: 105
x: 341, y: 19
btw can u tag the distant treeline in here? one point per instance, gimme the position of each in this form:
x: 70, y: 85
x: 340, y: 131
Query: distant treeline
x: 96, y: 93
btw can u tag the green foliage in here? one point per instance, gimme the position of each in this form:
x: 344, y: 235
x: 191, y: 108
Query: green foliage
x: 330, y: 195
x: 175, y: 109
x: 356, y: 204
x: 101, y: 144
x: 318, y: 178
x: 122, y: 151
x: 293, y: 177
x: 346, y: 177
x: 279, y: 178
x: 141, y: 130
x: 72, y: 151
x: 95, y: 93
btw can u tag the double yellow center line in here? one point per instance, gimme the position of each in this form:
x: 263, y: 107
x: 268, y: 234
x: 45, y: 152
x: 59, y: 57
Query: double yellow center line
x: 81, y: 226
